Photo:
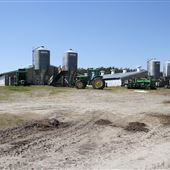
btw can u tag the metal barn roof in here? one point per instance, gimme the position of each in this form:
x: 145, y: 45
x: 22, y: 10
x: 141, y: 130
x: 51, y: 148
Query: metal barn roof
x: 6, y: 73
x: 123, y: 75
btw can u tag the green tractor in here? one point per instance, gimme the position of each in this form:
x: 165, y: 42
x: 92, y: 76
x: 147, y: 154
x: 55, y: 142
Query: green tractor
x: 92, y: 77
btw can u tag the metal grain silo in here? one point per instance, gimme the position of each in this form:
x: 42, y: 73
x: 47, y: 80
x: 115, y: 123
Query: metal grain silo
x: 166, y: 71
x: 41, y: 58
x: 70, y: 61
x: 153, y: 67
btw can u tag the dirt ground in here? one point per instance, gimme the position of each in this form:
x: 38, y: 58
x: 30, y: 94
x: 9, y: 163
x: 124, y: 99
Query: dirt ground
x: 87, y: 129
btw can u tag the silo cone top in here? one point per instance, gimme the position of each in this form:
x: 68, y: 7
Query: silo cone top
x: 70, y: 51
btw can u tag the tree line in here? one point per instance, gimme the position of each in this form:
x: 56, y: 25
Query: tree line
x: 107, y: 70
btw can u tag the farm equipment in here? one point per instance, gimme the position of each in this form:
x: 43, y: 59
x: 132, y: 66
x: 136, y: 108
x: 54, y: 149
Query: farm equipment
x: 141, y: 84
x: 166, y: 83
x: 92, y: 77
x: 71, y: 79
x: 21, y: 77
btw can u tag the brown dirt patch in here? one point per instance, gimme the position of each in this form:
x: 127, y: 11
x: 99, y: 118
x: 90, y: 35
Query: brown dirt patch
x: 103, y: 122
x: 29, y: 128
x: 164, y: 119
x: 166, y: 102
x: 136, y: 126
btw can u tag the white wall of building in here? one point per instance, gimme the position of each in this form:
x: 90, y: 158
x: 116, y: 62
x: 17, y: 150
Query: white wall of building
x: 113, y: 83
x: 2, y: 80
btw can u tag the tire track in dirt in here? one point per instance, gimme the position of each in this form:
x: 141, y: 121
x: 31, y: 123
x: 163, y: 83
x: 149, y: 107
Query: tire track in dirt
x: 77, y: 143
x: 50, y: 141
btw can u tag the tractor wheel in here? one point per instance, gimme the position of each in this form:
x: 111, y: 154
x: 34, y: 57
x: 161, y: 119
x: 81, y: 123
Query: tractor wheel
x: 80, y: 85
x: 98, y: 83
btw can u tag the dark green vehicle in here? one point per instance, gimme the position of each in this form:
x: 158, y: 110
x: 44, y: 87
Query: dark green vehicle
x: 21, y: 77
x: 142, y: 84
x: 92, y: 77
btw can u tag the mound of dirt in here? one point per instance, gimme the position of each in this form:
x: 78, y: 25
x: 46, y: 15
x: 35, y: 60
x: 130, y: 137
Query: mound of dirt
x: 136, y: 126
x: 103, y: 122
x: 166, y: 102
x: 29, y: 128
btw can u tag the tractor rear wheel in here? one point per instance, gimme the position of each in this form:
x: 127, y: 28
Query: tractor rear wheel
x: 98, y: 83
x: 80, y: 85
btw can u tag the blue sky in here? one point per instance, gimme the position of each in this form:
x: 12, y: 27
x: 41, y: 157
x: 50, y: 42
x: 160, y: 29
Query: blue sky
x: 104, y: 33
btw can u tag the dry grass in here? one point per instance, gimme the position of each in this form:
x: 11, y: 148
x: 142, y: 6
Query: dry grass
x: 7, y: 92
x: 12, y: 120
x: 8, y: 120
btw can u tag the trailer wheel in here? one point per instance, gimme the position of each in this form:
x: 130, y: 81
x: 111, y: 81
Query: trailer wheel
x: 80, y: 85
x: 98, y: 83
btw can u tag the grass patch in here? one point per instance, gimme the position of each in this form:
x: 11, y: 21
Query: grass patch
x: 55, y: 90
x: 30, y: 91
x: 9, y: 120
x: 19, y: 88
x: 4, y: 93
x: 12, y: 120
x: 42, y: 91
x: 2, y: 97
x: 7, y: 91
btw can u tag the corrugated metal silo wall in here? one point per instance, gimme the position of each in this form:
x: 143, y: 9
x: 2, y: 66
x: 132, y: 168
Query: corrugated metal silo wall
x: 154, y: 68
x: 166, y: 71
x: 44, y: 59
x: 36, y: 60
x: 70, y: 61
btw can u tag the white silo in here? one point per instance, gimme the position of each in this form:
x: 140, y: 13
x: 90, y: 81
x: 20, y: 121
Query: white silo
x: 41, y: 58
x: 41, y: 64
x: 153, y: 67
x: 70, y: 61
x: 166, y: 70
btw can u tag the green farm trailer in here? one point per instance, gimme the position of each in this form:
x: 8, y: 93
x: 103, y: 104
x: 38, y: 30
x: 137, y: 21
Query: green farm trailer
x: 141, y: 84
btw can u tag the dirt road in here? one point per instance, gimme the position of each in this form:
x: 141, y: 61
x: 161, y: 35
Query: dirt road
x: 88, y: 129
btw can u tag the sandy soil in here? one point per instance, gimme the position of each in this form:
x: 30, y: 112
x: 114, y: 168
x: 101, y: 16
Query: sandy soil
x: 96, y: 130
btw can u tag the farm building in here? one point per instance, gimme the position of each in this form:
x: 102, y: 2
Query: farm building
x: 120, y: 79
x: 30, y: 75
x: 41, y: 72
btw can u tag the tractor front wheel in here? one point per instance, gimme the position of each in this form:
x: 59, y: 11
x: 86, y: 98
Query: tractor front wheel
x: 98, y: 83
x: 80, y: 85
